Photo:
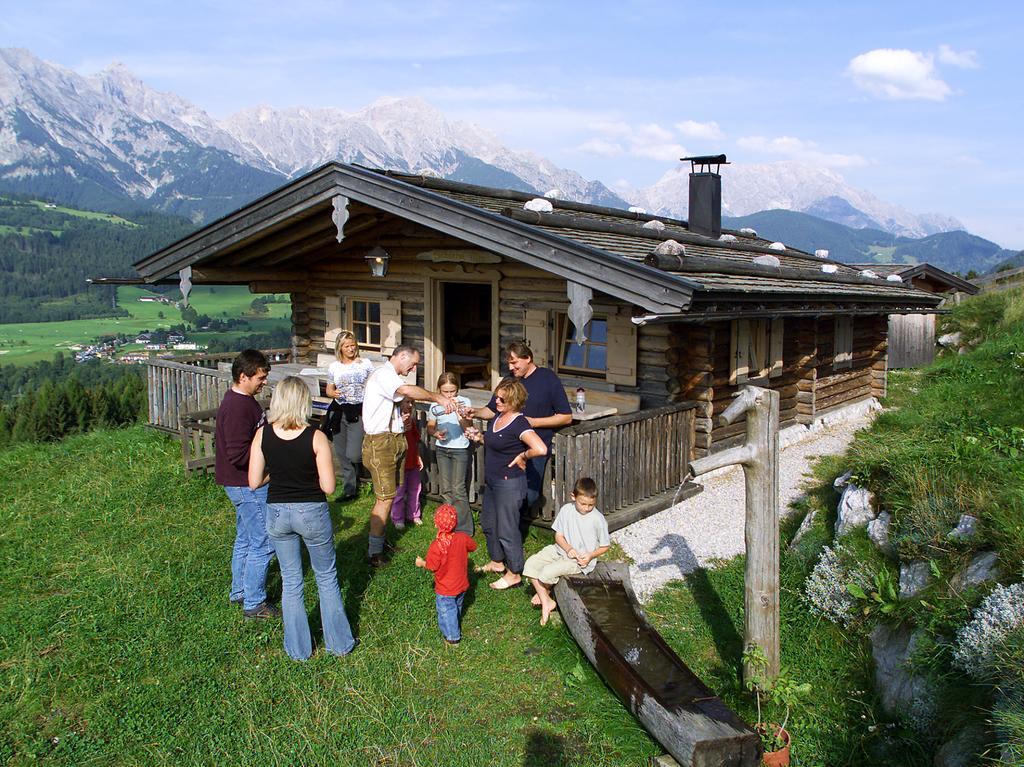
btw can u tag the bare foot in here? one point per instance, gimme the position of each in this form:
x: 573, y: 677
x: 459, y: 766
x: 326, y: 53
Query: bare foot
x: 492, y: 567
x: 545, y: 612
x: 536, y: 600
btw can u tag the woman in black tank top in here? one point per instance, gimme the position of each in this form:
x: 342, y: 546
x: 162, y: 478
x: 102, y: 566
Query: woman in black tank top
x: 296, y: 460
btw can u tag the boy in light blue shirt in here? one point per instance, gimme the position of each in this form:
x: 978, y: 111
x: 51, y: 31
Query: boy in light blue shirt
x: 581, y: 536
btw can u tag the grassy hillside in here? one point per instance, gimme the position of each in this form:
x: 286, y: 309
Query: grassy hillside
x: 951, y: 443
x: 120, y: 646
x: 23, y: 343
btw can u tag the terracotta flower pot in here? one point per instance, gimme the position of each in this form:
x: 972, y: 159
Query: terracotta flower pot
x: 778, y: 758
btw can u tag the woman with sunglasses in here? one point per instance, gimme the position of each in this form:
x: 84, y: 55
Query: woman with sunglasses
x: 510, y: 442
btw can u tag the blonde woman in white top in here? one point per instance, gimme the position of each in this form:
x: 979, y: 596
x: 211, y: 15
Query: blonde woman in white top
x: 346, y: 383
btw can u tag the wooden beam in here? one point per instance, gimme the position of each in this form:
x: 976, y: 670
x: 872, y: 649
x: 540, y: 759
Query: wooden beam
x: 227, y: 276
x: 319, y: 226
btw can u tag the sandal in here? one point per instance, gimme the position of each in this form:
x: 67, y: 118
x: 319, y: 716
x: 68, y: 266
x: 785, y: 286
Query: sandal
x: 487, y: 569
x: 501, y: 584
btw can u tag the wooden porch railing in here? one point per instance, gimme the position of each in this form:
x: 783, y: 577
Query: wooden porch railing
x: 176, y: 389
x: 206, y: 360
x: 638, y: 461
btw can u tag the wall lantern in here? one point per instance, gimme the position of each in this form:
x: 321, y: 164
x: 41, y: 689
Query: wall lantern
x: 378, y: 260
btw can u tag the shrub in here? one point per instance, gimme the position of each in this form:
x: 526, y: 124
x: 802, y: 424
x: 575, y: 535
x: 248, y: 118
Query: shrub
x: 827, y: 590
x: 977, y: 643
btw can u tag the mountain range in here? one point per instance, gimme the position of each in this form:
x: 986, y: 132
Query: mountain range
x: 110, y: 142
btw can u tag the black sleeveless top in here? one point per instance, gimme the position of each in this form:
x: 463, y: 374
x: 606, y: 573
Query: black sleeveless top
x: 292, y: 467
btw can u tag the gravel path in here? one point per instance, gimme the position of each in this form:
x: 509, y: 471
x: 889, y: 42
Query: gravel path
x: 709, y: 526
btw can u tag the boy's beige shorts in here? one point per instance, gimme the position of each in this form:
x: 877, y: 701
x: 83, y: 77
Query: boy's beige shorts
x: 547, y: 565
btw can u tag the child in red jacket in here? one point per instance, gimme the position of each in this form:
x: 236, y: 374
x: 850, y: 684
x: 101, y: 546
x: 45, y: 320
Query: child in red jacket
x: 448, y: 559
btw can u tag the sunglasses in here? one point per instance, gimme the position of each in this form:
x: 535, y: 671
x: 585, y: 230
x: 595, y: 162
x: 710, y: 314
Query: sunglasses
x: 499, y: 399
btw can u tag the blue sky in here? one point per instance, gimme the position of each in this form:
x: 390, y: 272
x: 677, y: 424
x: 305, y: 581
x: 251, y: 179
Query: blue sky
x: 918, y: 102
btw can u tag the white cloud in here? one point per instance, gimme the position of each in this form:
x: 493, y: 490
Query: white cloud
x: 650, y: 141
x: 617, y: 129
x: 601, y: 147
x: 707, y: 131
x: 898, y: 74
x: 662, y: 152
x: 790, y: 146
x: 962, y: 59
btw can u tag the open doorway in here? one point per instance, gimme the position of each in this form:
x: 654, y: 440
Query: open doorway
x: 466, y: 343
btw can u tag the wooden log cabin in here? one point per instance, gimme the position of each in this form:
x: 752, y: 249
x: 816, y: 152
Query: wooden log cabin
x: 912, y: 336
x: 676, y: 315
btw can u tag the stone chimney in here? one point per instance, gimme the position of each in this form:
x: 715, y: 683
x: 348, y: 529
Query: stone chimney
x: 706, y: 195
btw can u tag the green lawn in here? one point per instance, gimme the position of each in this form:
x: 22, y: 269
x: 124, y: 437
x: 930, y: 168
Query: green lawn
x: 23, y: 343
x: 119, y: 645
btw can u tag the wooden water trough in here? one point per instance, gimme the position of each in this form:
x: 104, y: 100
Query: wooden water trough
x: 682, y: 713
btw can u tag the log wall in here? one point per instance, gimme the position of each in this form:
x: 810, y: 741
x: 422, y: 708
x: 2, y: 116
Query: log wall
x: 698, y: 368
x: 520, y: 287
x: 865, y: 377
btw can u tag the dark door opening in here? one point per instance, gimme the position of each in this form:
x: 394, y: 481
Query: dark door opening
x: 466, y: 335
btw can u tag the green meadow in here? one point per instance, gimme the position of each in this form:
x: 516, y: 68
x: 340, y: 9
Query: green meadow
x: 118, y: 645
x: 24, y: 343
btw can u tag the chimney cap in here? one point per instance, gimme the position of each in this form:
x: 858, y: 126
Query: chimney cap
x: 706, y: 160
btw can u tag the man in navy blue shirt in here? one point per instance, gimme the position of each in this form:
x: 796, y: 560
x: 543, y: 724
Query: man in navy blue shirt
x: 547, y: 408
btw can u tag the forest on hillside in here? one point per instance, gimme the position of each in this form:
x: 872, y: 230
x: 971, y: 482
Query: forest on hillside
x: 47, y: 254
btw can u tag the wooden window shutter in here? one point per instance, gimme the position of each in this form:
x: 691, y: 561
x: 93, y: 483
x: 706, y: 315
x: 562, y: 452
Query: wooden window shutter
x: 332, y: 320
x: 842, y: 355
x: 536, y: 333
x: 390, y: 326
x: 739, y: 370
x: 621, y: 365
x: 775, y: 348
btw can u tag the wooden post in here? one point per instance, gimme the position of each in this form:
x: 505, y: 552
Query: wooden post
x: 759, y: 456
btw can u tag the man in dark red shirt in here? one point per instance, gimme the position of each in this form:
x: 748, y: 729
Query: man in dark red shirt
x: 238, y: 418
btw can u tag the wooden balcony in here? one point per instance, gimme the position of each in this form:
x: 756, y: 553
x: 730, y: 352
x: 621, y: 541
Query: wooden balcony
x: 637, y: 460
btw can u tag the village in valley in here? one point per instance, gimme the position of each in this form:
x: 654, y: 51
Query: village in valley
x: 408, y: 386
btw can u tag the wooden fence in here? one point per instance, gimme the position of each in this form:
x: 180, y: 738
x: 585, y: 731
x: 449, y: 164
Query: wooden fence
x: 638, y: 460
x: 176, y: 389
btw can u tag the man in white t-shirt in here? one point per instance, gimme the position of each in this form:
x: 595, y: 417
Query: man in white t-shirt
x: 384, y: 443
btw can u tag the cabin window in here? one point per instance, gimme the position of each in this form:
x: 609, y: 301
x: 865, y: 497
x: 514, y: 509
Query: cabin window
x: 365, y: 321
x: 843, y: 356
x: 589, y: 358
x: 756, y: 348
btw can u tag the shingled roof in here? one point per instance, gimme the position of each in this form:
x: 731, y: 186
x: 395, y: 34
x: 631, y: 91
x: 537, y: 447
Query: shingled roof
x: 606, y: 248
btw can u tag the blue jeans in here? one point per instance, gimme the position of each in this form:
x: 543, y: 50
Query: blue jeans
x: 449, y: 616
x: 289, y: 525
x: 452, y: 464
x: 252, y: 552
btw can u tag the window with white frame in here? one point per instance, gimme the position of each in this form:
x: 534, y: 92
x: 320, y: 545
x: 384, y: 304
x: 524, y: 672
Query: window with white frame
x: 365, y: 322
x: 589, y: 358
